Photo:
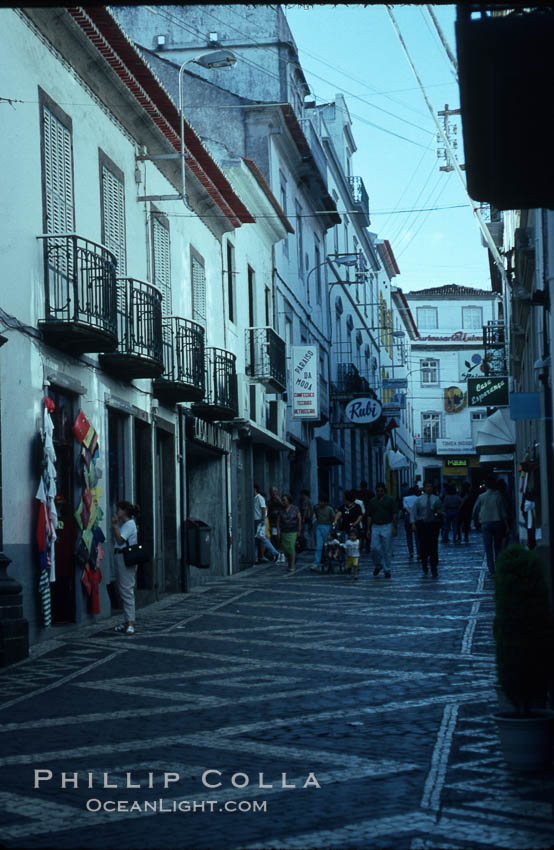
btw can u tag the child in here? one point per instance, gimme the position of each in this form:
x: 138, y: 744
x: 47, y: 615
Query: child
x: 333, y: 549
x: 352, y: 552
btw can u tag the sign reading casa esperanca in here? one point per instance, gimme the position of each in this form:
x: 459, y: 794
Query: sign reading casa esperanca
x: 491, y: 392
x: 363, y: 411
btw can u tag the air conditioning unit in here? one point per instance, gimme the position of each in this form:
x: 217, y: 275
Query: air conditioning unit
x: 277, y: 418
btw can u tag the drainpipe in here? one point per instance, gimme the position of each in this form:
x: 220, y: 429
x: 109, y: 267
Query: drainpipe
x: 183, y: 500
x: 545, y: 378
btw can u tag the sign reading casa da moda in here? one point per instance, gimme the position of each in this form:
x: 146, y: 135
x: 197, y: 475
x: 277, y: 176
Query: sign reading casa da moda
x: 363, y: 411
x: 305, y: 389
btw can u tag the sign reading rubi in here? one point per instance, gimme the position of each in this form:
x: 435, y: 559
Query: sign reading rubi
x: 363, y: 411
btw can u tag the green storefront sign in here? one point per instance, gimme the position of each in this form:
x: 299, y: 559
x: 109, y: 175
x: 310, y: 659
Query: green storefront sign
x: 487, y: 392
x: 455, y: 463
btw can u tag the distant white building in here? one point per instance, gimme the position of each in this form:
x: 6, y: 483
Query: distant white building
x: 449, y: 349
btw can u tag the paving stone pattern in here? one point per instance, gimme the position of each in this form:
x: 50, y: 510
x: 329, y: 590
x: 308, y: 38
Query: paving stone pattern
x: 380, y: 691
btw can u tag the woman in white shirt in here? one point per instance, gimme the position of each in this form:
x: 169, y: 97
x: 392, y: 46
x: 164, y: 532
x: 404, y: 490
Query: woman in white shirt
x: 125, y: 532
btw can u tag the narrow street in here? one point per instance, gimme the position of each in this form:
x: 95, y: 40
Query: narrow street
x: 380, y: 692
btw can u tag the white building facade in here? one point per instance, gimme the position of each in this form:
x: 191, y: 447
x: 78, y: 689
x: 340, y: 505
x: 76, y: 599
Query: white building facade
x: 448, y: 351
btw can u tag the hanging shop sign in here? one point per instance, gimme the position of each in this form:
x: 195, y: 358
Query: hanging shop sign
x: 305, y: 399
x: 454, y: 400
x: 525, y: 406
x: 395, y: 383
x: 455, y: 447
x: 363, y: 411
x: 487, y: 392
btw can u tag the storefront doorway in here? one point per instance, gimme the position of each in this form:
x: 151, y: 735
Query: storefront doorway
x: 63, y: 589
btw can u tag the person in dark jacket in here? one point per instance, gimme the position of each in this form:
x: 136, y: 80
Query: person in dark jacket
x: 451, y: 503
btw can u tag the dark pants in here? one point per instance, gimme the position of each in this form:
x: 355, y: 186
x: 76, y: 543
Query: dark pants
x: 428, y: 534
x: 464, y: 527
x: 410, y: 536
x: 493, y: 537
x: 450, y: 521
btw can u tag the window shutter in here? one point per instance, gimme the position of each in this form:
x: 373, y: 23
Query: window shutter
x: 161, y: 265
x: 198, y: 291
x: 58, y: 175
x: 113, y: 206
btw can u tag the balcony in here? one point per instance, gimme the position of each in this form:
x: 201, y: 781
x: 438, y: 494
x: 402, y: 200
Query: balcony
x: 139, y: 331
x: 426, y: 447
x: 183, y: 361
x: 316, y: 148
x: 349, y: 382
x: 220, y: 401
x: 360, y: 199
x: 265, y: 358
x: 80, y: 290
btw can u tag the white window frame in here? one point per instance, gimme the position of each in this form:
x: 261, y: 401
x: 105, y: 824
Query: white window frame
x: 430, y: 367
x: 433, y: 419
x: 472, y: 326
x: 427, y: 327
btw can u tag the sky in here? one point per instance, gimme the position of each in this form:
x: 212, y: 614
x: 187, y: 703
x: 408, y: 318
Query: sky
x: 354, y: 50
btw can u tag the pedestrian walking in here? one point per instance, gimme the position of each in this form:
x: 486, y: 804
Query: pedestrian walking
x: 125, y: 532
x: 490, y: 515
x: 505, y: 495
x: 274, y: 505
x: 366, y: 495
x: 324, y: 515
x: 529, y: 517
x: 263, y: 542
x: 307, y: 512
x: 289, y: 526
x: 352, y: 547
x: 427, y: 515
x: 451, y: 504
x: 382, y: 527
x: 408, y: 503
x: 464, y: 512
x: 349, y: 515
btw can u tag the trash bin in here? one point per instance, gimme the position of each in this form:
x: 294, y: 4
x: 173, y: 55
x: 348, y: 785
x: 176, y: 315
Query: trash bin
x: 199, y: 543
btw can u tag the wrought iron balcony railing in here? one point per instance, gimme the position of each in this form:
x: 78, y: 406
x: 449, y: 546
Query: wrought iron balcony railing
x: 80, y: 294
x: 183, y: 377
x: 139, y: 331
x: 265, y: 358
x: 494, y: 335
x: 360, y: 199
x: 220, y: 401
x: 349, y: 381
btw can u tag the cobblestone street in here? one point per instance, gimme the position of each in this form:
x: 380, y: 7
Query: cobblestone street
x: 380, y: 692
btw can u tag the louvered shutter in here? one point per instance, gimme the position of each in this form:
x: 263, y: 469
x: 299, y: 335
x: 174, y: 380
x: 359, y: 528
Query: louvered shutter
x: 113, y: 206
x: 198, y: 274
x: 58, y: 175
x: 162, y: 265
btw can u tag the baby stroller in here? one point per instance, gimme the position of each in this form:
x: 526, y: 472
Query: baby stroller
x: 335, y: 551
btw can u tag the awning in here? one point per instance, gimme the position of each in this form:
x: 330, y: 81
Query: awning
x: 263, y: 436
x: 328, y: 453
x: 497, y: 433
x: 397, y: 460
x: 500, y: 458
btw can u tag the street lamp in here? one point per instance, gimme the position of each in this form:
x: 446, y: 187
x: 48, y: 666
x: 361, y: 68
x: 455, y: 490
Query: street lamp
x: 208, y: 59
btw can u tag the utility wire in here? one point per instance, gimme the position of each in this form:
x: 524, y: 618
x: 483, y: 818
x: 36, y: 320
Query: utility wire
x: 446, y: 142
